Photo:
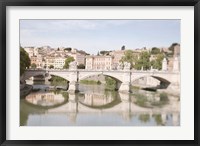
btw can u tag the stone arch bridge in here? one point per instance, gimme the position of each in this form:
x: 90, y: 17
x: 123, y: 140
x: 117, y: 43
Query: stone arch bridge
x: 124, y: 78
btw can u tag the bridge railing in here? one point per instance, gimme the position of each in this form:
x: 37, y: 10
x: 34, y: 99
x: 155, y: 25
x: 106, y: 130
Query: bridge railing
x: 98, y: 70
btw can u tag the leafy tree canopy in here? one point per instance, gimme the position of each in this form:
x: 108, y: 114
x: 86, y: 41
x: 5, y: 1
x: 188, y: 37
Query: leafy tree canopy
x: 157, y: 63
x: 104, y: 52
x: 143, y: 61
x: 67, y: 61
x: 68, y: 49
x: 129, y: 57
x: 123, y: 48
x: 33, y: 65
x: 51, y: 66
x: 155, y: 50
x: 81, y: 66
x: 172, y: 47
x: 24, y: 60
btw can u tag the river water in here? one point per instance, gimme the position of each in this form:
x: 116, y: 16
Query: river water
x: 95, y: 106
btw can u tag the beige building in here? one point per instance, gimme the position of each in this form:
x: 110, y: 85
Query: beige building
x: 117, y: 55
x: 56, y: 62
x: 49, y: 61
x: 78, y: 57
x: 37, y: 60
x: 59, y: 63
x: 99, y: 62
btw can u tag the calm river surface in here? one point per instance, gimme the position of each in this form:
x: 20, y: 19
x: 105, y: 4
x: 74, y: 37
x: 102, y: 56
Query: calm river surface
x: 94, y: 106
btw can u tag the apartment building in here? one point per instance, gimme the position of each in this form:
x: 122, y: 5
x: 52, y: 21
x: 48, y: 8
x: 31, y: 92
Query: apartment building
x: 59, y: 63
x: 99, y: 62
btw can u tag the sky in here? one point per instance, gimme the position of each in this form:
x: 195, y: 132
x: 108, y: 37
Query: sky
x: 96, y: 35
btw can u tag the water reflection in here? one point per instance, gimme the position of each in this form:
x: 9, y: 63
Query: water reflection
x: 45, y: 99
x: 94, y: 108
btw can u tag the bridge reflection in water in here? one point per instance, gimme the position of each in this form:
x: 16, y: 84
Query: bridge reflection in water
x: 95, y: 109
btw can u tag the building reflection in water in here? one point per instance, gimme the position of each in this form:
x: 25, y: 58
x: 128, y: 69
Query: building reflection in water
x: 95, y: 99
x: 45, y: 99
x: 89, y: 103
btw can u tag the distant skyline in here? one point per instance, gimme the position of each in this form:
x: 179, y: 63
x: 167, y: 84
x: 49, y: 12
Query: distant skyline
x: 96, y: 35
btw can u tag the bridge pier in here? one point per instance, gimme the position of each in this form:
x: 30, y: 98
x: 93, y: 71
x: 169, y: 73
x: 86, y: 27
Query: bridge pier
x: 173, y: 88
x: 125, y: 106
x: 126, y: 84
x: 125, y: 87
x: 73, y: 107
x: 73, y: 87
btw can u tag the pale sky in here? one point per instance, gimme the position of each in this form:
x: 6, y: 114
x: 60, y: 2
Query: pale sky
x: 96, y: 35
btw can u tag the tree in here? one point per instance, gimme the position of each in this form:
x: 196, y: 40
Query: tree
x: 171, y: 48
x: 67, y: 61
x: 155, y: 50
x: 68, y: 49
x: 24, y: 60
x: 110, y: 83
x: 51, y: 66
x: 123, y: 48
x: 129, y: 57
x: 157, y: 63
x: 33, y: 65
x: 81, y: 66
x: 143, y: 61
x: 104, y: 52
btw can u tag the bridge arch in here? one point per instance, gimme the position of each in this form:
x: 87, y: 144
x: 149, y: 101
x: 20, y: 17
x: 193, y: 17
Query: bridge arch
x: 59, y: 75
x: 164, y: 83
x: 28, y: 75
x: 160, y: 78
x: 28, y: 100
x: 113, y: 103
x: 116, y: 78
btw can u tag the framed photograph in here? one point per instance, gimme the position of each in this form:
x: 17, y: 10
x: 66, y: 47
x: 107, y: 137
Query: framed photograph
x: 99, y: 72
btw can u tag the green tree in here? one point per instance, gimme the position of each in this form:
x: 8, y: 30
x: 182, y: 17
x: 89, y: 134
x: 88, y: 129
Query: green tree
x: 81, y: 66
x: 51, y: 66
x: 123, y: 47
x: 110, y: 83
x: 33, y: 65
x: 157, y: 63
x: 24, y: 60
x: 143, y: 61
x: 67, y: 61
x: 171, y: 48
x: 104, y: 52
x: 129, y: 57
x: 155, y: 50
x: 68, y: 49
x: 58, y: 81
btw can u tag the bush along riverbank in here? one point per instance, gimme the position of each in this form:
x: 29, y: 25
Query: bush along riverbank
x: 110, y: 84
x: 90, y: 82
x: 58, y: 81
